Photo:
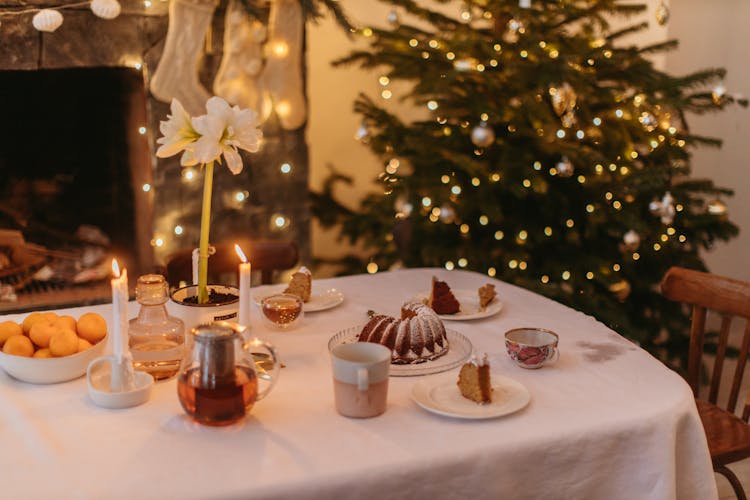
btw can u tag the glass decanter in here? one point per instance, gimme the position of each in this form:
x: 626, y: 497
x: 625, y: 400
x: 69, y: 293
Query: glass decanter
x: 156, y: 339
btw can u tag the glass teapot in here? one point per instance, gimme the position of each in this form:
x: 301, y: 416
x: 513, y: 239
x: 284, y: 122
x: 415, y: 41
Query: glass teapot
x: 222, y: 372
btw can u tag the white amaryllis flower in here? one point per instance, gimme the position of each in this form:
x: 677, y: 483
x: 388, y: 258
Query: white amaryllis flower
x: 222, y: 130
x: 177, y: 135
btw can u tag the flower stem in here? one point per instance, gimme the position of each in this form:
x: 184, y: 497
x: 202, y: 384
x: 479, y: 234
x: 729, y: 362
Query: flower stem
x: 208, y: 182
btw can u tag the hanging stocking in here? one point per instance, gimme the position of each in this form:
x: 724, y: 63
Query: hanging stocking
x: 239, y: 77
x: 177, y: 73
x: 283, y: 74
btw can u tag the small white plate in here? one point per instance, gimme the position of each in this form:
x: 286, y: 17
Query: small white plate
x: 469, y: 300
x: 320, y: 299
x: 440, y: 394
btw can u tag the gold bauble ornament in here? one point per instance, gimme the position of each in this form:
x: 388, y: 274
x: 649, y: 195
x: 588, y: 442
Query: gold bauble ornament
x: 621, y: 290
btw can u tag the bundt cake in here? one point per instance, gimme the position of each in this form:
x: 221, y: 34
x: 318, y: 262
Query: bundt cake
x: 417, y: 337
x: 301, y: 284
x: 474, y: 380
x: 442, y: 300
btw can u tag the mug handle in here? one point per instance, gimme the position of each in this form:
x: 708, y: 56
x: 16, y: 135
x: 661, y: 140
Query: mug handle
x: 261, y: 372
x: 555, y: 356
x: 363, y: 379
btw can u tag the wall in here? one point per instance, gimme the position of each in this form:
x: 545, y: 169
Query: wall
x: 710, y: 36
x: 713, y: 34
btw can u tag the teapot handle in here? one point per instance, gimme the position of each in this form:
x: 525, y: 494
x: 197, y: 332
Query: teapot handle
x: 261, y: 369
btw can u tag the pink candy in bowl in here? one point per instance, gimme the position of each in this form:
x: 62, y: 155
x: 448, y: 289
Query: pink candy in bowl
x: 531, y: 347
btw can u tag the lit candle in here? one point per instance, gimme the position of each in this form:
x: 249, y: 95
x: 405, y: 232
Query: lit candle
x: 119, y: 311
x: 245, y: 268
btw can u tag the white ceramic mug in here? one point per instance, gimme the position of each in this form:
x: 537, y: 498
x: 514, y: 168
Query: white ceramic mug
x: 360, y: 378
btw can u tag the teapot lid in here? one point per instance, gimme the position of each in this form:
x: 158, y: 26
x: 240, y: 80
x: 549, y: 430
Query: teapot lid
x: 218, y: 331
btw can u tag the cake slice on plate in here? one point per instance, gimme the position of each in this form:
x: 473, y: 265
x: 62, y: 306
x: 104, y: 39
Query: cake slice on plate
x: 301, y: 284
x: 442, y: 300
x: 486, y: 295
x: 474, y: 380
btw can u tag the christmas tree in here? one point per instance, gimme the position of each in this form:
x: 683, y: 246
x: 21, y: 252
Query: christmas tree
x: 553, y: 156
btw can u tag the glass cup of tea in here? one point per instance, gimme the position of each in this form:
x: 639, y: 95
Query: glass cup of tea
x: 282, y: 310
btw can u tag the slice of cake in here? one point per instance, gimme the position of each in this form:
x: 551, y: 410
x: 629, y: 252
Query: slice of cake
x: 442, y: 300
x: 486, y: 295
x: 301, y: 284
x: 474, y: 380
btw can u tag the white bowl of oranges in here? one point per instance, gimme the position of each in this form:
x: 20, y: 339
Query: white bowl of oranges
x: 46, y: 348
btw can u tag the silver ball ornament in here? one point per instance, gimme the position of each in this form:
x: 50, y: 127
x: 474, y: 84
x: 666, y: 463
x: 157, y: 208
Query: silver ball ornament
x: 632, y: 240
x: 565, y: 167
x: 482, y: 135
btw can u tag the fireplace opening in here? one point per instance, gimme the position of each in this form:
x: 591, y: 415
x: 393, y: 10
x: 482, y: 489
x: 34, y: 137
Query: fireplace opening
x: 75, y: 172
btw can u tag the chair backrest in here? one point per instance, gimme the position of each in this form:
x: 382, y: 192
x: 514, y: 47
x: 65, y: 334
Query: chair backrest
x: 725, y: 296
x: 266, y: 256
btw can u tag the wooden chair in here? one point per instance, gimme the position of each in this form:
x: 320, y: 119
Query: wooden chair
x: 267, y: 257
x: 728, y: 436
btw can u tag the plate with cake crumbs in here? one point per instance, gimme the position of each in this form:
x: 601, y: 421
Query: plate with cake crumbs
x: 440, y: 395
x: 321, y: 299
x: 469, y: 306
x: 458, y: 352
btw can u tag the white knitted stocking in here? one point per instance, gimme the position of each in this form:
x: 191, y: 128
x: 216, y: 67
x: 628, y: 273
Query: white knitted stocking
x: 177, y: 73
x: 239, y: 77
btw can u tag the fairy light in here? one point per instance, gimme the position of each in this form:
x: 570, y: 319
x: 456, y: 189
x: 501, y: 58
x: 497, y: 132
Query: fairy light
x: 285, y: 168
x: 449, y: 265
x: 493, y: 63
x: 142, y: 130
x: 367, y: 32
x: 386, y: 94
x: 548, y: 231
x: 432, y: 105
x: 445, y: 179
x: 464, y: 228
x: 544, y: 279
x: 425, y: 54
x: 384, y: 80
x: 495, y: 177
x: 524, y: 54
x: 522, y: 265
x: 608, y: 196
x: 580, y: 134
x: 491, y: 272
x: 462, y: 262
x: 537, y: 165
x: 664, y: 238
x: 279, y: 49
x: 560, y: 134
x: 616, y: 267
x: 589, y: 275
x: 279, y: 222
x: 283, y: 108
x: 597, y: 121
x: 553, y: 54
x: 657, y: 247
x: 636, y: 256
x: 590, y: 208
x: 426, y: 201
x: 671, y: 231
x: 513, y: 264
x: 450, y: 56
x: 565, y: 275
x: 475, y: 181
x: 456, y: 190
x: 682, y: 238
x: 679, y: 207
x: 372, y: 268
x: 157, y: 242
x: 581, y: 179
x: 188, y: 174
x: 484, y: 220
x: 497, y: 47
x: 570, y: 223
x: 599, y: 168
x: 499, y: 235
x: 624, y: 170
x: 146, y: 188
x: 612, y: 167
x: 618, y: 113
x: 240, y: 196
x: 526, y: 183
x: 413, y: 42
x: 433, y: 44
x: 481, y: 68
x: 522, y: 235
x: 616, y: 205
x: 178, y: 230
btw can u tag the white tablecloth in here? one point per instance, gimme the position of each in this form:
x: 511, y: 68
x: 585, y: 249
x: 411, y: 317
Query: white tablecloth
x: 607, y: 421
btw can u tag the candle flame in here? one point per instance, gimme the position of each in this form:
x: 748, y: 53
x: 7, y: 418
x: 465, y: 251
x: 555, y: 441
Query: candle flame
x: 115, y: 268
x: 240, y: 253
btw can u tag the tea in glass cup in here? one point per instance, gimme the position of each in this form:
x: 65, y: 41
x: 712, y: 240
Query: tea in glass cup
x: 282, y: 310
